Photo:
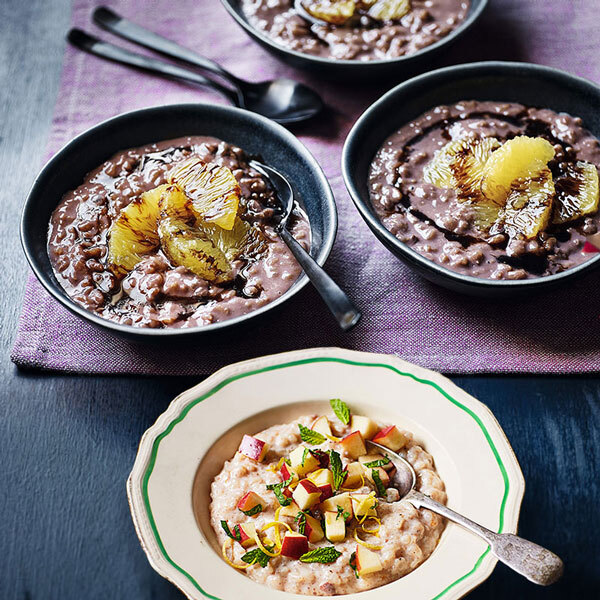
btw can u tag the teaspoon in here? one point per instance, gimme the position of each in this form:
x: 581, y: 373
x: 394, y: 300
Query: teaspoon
x: 282, y: 100
x: 342, y: 308
x: 530, y: 560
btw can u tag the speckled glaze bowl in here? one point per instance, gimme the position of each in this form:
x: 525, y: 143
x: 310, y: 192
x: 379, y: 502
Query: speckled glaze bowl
x: 257, y: 135
x: 169, y: 486
x: 528, y: 84
x: 351, y: 70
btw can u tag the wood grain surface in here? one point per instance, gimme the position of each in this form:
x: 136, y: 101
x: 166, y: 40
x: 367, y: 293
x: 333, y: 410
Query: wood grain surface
x: 67, y: 443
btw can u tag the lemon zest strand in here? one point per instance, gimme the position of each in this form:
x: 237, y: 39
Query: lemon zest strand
x: 366, y: 544
x: 277, y: 466
x: 374, y: 532
x: 229, y: 562
x: 333, y: 438
x: 362, y: 484
x: 267, y: 552
x: 277, y: 534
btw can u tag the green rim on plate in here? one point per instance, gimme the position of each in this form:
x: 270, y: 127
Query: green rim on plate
x: 296, y: 363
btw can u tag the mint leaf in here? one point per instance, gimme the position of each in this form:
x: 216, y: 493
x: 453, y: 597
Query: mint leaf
x: 352, y: 563
x: 321, y: 555
x: 381, y: 462
x: 304, y: 455
x: 300, y: 518
x: 253, y: 511
x: 378, y: 483
x: 309, y: 436
x: 341, y: 410
x: 336, y: 467
x: 341, y: 513
x: 277, y: 489
x: 237, y: 536
x: 256, y: 556
x: 321, y: 456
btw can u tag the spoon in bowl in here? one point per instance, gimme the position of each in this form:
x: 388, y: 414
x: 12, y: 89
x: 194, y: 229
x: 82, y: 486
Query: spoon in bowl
x: 340, y: 305
x: 283, y: 100
x: 530, y: 560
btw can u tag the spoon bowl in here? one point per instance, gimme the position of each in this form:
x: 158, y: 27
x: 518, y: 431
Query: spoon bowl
x: 534, y: 562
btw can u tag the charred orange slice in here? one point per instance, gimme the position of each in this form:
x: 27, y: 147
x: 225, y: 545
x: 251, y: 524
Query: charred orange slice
x: 519, y: 158
x: 134, y: 232
x: 577, y: 193
x: 213, y: 190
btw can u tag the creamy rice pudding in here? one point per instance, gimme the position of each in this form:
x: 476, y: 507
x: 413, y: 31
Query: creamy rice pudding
x: 357, y: 30
x: 319, y: 507
x: 495, y: 190
x: 174, y: 234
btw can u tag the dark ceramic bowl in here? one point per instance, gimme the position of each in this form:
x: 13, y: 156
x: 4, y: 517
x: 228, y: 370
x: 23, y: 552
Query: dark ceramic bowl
x: 256, y: 135
x: 351, y: 70
x: 532, y: 85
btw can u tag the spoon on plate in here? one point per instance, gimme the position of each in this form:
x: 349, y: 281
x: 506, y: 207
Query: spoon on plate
x: 283, y: 100
x: 340, y: 305
x: 530, y: 560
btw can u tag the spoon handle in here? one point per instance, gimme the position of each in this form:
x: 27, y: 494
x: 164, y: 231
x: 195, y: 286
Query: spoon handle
x: 111, y: 21
x: 530, y: 560
x: 93, y: 45
x: 343, y: 309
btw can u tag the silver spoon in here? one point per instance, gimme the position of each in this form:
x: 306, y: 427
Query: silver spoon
x: 342, y: 308
x: 530, y: 560
x: 282, y: 100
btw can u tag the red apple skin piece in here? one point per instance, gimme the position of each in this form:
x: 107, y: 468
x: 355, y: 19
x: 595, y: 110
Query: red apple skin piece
x: 306, y: 494
x: 391, y: 438
x: 354, y: 444
x: 246, y: 540
x: 589, y: 248
x: 294, y: 545
x: 287, y: 472
x: 326, y: 491
x: 253, y: 448
x: 249, y: 501
x: 287, y: 492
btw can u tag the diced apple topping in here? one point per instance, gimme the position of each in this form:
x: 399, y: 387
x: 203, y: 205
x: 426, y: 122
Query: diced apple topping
x: 253, y: 448
x: 214, y: 191
x: 287, y: 472
x: 321, y: 425
x: 251, y: 504
x: 323, y: 479
x: 306, y: 494
x: 518, y: 158
x: 367, y: 427
x: 391, y: 437
x: 291, y: 510
x: 366, y: 561
x: 577, y: 193
x: 303, y: 461
x: 313, y: 530
x: 247, y: 534
x: 354, y: 475
x: 335, y: 503
x: 294, y: 545
x: 354, y: 445
x: 335, y: 527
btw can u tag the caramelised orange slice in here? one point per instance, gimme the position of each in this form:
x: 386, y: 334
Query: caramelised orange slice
x: 519, y: 158
x: 213, y: 190
x: 576, y: 193
x: 134, y: 232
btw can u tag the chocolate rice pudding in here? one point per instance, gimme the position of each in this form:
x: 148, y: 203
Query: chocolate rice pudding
x: 432, y: 220
x: 361, y: 38
x: 158, y: 293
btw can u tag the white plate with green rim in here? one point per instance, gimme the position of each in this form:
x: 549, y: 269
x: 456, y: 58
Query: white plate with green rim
x: 179, y: 455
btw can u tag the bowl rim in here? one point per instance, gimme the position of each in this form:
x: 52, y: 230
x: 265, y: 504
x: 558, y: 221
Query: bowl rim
x: 485, y: 68
x: 319, y: 60
x: 56, y: 291
x: 137, y: 482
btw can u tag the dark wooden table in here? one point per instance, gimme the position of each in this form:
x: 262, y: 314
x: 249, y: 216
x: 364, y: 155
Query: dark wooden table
x: 67, y: 443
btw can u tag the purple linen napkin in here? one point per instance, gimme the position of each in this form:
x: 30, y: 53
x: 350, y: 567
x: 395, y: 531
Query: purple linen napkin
x: 402, y: 313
